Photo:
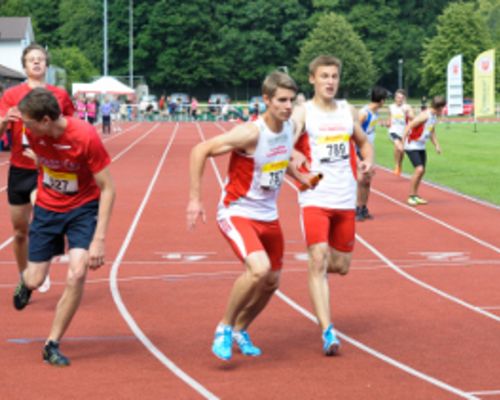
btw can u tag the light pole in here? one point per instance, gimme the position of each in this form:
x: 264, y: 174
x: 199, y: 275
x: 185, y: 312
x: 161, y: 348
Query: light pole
x: 131, y: 44
x: 400, y: 73
x: 105, y: 39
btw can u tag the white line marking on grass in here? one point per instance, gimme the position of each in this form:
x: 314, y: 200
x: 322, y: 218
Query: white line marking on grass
x: 423, y: 284
x: 380, y: 356
x: 115, y: 292
x: 438, y: 221
x: 371, y: 351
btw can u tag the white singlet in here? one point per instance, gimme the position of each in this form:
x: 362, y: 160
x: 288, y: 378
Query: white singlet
x: 419, y: 135
x: 329, y: 149
x: 253, y: 181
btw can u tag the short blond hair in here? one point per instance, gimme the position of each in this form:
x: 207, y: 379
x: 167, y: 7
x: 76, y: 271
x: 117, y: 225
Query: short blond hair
x: 275, y: 80
x: 324, y: 61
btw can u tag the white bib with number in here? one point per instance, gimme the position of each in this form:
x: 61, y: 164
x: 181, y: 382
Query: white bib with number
x: 62, y: 182
x: 333, y: 148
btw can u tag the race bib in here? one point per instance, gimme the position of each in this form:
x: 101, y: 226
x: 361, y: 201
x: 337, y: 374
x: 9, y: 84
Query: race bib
x: 272, y: 175
x: 333, y: 148
x: 62, y: 182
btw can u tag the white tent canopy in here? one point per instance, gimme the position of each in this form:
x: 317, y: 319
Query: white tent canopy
x: 104, y: 85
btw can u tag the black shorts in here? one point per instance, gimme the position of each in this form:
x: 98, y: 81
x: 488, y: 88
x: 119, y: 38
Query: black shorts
x: 417, y: 157
x: 21, y: 183
x: 106, y: 120
x: 48, y: 229
x: 395, y: 136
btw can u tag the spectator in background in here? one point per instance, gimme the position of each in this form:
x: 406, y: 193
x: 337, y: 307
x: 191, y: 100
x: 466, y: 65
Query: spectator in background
x: 91, y: 111
x: 194, y: 108
x: 106, y: 110
x: 81, y: 107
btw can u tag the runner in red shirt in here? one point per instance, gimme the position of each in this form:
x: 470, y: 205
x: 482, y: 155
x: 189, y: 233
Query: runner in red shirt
x: 74, y: 202
x: 23, y: 172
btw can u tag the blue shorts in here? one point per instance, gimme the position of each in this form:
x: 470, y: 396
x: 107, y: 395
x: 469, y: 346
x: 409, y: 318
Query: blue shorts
x: 48, y: 228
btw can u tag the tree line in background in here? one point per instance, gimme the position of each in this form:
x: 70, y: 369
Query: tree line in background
x: 211, y: 45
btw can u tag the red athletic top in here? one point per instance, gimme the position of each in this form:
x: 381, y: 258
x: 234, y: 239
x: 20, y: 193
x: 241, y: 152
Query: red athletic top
x: 67, y: 166
x: 11, y: 98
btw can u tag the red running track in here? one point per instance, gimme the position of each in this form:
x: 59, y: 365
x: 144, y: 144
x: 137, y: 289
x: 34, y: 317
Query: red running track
x: 419, y: 313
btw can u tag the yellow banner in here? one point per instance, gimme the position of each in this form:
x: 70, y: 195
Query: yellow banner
x: 484, y: 84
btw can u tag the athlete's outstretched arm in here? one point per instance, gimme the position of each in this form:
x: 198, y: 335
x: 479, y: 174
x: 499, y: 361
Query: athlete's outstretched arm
x: 243, y: 137
x: 106, y: 201
x: 435, y: 141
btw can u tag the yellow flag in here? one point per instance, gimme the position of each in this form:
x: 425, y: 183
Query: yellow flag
x: 484, y: 84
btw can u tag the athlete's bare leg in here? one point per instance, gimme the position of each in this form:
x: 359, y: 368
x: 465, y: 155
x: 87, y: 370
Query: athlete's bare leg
x: 258, y: 301
x: 20, y: 217
x: 398, y: 158
x: 339, y: 262
x: 415, y: 180
x: 250, y: 284
x: 72, y: 295
x: 319, y: 289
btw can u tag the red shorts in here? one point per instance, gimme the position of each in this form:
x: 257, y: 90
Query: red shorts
x: 335, y: 227
x: 247, y: 236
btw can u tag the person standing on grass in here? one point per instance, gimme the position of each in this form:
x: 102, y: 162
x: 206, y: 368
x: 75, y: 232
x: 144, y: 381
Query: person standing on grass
x: 247, y: 213
x: 74, y: 201
x: 327, y: 131
x: 415, y: 136
x: 22, y: 176
x: 368, y: 117
x: 400, y: 114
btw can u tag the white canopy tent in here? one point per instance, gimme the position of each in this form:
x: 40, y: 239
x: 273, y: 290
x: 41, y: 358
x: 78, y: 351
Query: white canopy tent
x: 103, y: 85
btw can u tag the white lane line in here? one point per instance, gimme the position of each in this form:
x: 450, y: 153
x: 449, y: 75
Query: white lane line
x: 490, y: 308
x: 423, y: 284
x: 115, y: 292
x: 485, y: 393
x: 116, y: 157
x: 368, y: 349
x: 448, y: 190
x: 438, y: 221
x: 380, y: 356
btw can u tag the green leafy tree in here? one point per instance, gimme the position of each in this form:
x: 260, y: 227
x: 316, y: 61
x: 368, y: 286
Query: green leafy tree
x: 81, y: 26
x: 77, y: 66
x: 334, y: 35
x: 458, y: 21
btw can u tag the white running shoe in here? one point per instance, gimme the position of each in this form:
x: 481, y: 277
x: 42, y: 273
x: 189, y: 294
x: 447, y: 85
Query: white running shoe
x: 45, y: 285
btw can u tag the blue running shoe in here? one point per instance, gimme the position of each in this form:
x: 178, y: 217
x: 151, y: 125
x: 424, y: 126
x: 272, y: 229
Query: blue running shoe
x: 247, y: 348
x: 331, y: 344
x: 223, y: 343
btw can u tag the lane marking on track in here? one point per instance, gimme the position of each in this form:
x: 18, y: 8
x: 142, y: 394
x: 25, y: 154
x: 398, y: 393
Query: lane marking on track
x: 485, y: 393
x: 425, y: 285
x: 447, y: 190
x: 115, y: 292
x: 361, y: 346
x: 380, y: 356
x: 116, y: 157
x: 438, y: 221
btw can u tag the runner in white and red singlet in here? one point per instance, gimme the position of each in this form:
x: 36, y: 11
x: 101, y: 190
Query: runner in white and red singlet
x: 247, y: 214
x: 74, y: 202
x: 327, y: 131
x: 415, y: 138
x: 400, y: 113
x: 22, y: 171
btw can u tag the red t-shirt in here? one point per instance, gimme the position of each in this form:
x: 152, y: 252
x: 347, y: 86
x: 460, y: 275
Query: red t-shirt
x: 11, y: 98
x: 67, y: 166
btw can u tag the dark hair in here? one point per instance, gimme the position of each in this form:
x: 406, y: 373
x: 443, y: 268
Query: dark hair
x: 438, y: 102
x: 275, y: 80
x: 378, y: 94
x: 35, y: 46
x: 39, y: 103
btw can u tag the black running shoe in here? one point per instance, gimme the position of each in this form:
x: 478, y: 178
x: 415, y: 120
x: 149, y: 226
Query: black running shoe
x: 366, y: 214
x: 53, y: 356
x: 21, y: 296
x: 359, y: 214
